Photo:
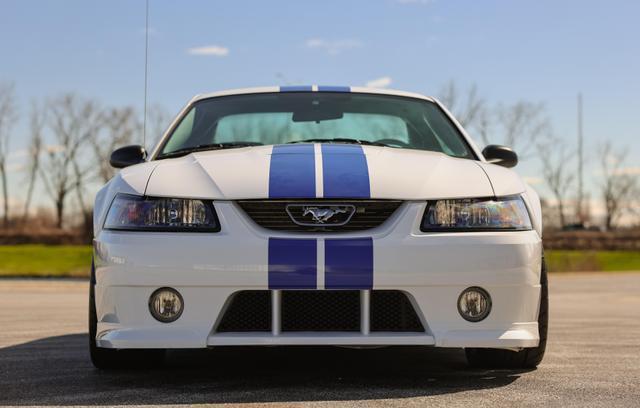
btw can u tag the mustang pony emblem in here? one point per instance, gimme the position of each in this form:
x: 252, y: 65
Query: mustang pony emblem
x: 312, y: 214
x: 322, y: 214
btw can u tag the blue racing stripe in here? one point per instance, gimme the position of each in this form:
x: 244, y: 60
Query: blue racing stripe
x: 292, y: 171
x: 348, y: 263
x: 334, y: 89
x: 296, y: 88
x: 345, y: 172
x: 292, y: 263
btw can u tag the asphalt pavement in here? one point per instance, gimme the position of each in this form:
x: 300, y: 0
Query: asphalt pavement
x: 593, y: 359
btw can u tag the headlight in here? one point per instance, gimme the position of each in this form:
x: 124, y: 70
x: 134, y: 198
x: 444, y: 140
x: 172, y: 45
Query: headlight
x: 137, y: 213
x: 507, y: 213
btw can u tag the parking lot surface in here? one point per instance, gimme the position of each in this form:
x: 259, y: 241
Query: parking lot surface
x: 593, y: 359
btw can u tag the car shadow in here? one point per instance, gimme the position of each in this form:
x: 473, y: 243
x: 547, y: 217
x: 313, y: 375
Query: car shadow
x: 57, y: 371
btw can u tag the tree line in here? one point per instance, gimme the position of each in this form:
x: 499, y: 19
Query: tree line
x: 525, y: 127
x: 70, y: 141
x: 71, y: 138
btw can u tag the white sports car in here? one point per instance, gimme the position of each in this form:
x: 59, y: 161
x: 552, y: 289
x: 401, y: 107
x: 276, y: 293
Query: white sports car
x: 314, y: 215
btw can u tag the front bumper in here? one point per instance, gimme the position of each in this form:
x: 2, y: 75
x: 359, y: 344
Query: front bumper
x: 431, y: 268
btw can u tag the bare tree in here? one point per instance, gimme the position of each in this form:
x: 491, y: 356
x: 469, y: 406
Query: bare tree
x: 8, y: 116
x: 36, y: 123
x: 555, y: 173
x: 520, y: 125
x: 468, y: 108
x: 120, y: 128
x: 158, y: 120
x: 73, y: 122
x: 617, y: 186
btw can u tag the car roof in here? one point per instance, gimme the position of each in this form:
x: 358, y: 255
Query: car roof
x: 310, y: 88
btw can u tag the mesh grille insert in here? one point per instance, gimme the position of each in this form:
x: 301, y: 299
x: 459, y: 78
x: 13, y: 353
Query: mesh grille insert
x: 272, y: 214
x: 321, y: 311
x: 249, y: 310
x: 391, y: 311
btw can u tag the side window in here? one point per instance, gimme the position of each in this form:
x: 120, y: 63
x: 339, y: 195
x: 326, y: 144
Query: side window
x: 181, y: 134
x: 448, y: 138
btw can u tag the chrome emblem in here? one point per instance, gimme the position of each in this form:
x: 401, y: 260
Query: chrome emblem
x: 310, y: 215
x: 320, y: 215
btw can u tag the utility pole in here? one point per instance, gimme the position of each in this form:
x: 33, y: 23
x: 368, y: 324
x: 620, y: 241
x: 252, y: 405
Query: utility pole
x: 579, y: 204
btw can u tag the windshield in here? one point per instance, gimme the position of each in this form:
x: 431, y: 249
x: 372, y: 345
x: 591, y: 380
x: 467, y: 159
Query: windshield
x: 278, y: 118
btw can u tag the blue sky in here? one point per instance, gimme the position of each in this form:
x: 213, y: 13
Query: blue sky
x: 536, y: 50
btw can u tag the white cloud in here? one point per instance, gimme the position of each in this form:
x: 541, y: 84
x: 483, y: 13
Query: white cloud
x: 381, y: 82
x: 213, y: 50
x: 333, y: 47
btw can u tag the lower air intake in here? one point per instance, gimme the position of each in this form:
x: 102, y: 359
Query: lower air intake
x: 248, y: 311
x: 319, y: 311
x: 391, y: 311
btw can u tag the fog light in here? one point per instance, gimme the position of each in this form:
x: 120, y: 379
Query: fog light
x: 166, y: 305
x: 474, y: 304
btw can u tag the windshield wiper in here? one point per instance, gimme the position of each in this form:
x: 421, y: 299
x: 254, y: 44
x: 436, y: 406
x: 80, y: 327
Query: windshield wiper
x: 210, y: 146
x: 341, y: 140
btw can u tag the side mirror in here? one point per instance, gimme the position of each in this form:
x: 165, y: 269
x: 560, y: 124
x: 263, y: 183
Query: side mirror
x: 500, y: 155
x: 127, y: 156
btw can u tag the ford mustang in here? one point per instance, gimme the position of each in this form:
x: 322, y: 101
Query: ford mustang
x: 317, y: 215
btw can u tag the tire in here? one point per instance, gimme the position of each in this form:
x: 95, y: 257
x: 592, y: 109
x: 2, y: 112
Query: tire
x: 526, y: 358
x: 104, y: 358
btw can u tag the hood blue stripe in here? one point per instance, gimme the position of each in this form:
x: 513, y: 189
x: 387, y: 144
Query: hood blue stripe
x: 296, y: 88
x: 309, y: 88
x: 334, y: 89
x: 348, y: 263
x: 293, y: 263
x: 292, y: 171
x: 345, y: 171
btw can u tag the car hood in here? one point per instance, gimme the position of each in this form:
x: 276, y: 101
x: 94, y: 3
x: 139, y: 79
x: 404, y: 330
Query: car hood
x: 325, y: 171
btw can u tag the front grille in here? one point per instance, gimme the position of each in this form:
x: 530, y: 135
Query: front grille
x: 319, y: 311
x: 272, y: 214
x: 391, y: 311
